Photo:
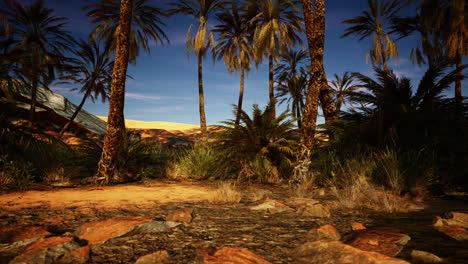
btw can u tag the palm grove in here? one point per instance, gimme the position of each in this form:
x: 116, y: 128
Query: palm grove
x: 417, y: 133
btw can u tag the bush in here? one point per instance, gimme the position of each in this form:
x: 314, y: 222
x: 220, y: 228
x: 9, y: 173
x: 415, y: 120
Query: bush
x: 16, y: 174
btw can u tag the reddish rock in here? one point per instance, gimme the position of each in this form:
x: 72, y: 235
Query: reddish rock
x: 327, y: 232
x: 77, y: 256
x: 357, y: 226
x: 315, y: 210
x: 457, y: 219
x: 158, y: 257
x: 456, y: 232
x: 438, y: 221
x: 20, y: 233
x: 385, y: 242
x: 46, y: 250
x: 230, y: 255
x: 100, y: 231
x: 418, y: 256
x: 183, y: 215
x: 335, y: 252
x: 271, y: 206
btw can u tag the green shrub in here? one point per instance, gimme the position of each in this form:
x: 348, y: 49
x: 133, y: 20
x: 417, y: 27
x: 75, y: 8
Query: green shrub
x: 16, y: 174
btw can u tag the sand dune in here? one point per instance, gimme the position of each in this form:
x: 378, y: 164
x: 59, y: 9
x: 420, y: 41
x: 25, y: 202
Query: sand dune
x: 169, y: 126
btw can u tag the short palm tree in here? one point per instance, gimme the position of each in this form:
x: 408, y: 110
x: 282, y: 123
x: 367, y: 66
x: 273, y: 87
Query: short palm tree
x: 146, y: 25
x: 201, y: 10
x: 342, y: 87
x: 375, y: 23
x: 260, y: 147
x: 293, y: 91
x: 292, y: 63
x: 277, y: 24
x: 93, y: 71
x: 234, y: 46
x: 43, y: 41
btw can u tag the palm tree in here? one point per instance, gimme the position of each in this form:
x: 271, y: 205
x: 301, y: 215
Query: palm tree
x: 276, y: 26
x: 146, y: 26
x: 115, y: 132
x: 43, y: 41
x: 201, y: 10
x: 93, y: 71
x: 342, y: 87
x: 291, y: 64
x: 235, y: 47
x: 292, y: 90
x: 260, y: 147
x: 375, y: 23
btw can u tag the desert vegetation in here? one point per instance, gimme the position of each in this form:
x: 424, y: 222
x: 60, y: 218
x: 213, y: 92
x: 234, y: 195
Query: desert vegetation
x: 383, y: 131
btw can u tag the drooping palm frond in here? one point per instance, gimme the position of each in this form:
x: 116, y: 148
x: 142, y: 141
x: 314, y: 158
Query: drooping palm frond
x: 341, y: 88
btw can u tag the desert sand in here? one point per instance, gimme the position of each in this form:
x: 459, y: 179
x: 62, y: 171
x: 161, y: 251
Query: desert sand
x: 169, y: 126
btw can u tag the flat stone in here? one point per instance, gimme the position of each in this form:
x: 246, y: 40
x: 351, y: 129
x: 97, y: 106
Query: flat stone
x: 20, y: 233
x: 100, y: 231
x: 229, y: 255
x: 155, y: 227
x: 46, y: 250
x: 183, y: 215
x: 158, y: 257
x: 335, y: 252
x: 418, y: 256
x: 327, y: 232
x: 457, y: 219
x: 456, y: 232
x: 316, y: 210
x: 77, y: 256
x: 382, y: 241
x: 357, y: 226
x: 271, y: 206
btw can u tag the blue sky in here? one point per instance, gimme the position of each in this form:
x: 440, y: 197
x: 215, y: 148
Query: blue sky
x: 164, y: 85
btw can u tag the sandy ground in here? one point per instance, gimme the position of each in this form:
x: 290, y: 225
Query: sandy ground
x: 169, y: 126
x: 123, y: 196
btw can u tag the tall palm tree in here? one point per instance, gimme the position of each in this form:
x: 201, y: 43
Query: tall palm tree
x: 291, y: 64
x: 93, y: 71
x: 115, y: 123
x: 276, y: 26
x: 43, y: 41
x: 235, y: 47
x: 375, y: 23
x: 146, y: 21
x: 201, y: 10
x: 292, y: 90
x: 342, y: 87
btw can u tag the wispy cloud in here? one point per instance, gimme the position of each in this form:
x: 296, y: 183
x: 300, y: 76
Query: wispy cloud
x: 146, y: 97
x: 163, y: 109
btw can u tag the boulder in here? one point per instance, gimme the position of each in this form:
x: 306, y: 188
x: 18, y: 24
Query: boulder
x: 456, y: 232
x: 229, y: 255
x: 47, y: 250
x: 155, y: 227
x: 315, y: 210
x: 418, y: 256
x: 335, y: 252
x: 357, y: 226
x: 101, y: 231
x: 382, y: 241
x: 183, y: 215
x: 271, y: 206
x: 21, y: 233
x: 158, y: 257
x: 77, y: 256
x: 326, y: 232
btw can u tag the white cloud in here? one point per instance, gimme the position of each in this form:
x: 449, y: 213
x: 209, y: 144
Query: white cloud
x: 163, y: 109
x: 142, y: 97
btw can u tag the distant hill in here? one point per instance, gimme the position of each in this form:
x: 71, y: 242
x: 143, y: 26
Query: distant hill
x: 155, y: 125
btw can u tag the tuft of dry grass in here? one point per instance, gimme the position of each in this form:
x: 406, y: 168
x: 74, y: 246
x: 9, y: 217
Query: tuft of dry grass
x: 225, y: 192
x: 56, y: 177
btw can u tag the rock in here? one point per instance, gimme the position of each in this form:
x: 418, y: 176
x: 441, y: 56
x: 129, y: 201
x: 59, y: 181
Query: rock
x: 456, y: 232
x: 301, y: 202
x: 229, y: 255
x: 155, y: 227
x: 20, y: 233
x: 77, y: 256
x: 335, y: 252
x: 438, y: 221
x: 46, y: 250
x: 100, y: 231
x: 183, y: 215
x: 457, y: 219
x: 316, y: 210
x: 271, y: 206
x: 357, y: 226
x: 418, y: 256
x: 327, y: 232
x: 384, y: 242
x: 158, y: 257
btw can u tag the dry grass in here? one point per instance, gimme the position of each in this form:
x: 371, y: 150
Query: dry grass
x: 225, y: 192
x: 56, y: 177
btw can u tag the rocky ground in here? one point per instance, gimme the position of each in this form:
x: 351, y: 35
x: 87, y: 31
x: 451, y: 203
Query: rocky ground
x: 274, y: 229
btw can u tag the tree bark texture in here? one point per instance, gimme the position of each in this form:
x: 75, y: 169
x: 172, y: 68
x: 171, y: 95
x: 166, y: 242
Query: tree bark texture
x: 32, y: 114
x: 115, y: 132
x: 201, y: 97
x: 458, y: 82
x: 241, y: 96
x: 75, y: 113
x: 271, y: 85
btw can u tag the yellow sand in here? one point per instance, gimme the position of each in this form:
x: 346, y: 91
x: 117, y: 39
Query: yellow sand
x: 155, y: 125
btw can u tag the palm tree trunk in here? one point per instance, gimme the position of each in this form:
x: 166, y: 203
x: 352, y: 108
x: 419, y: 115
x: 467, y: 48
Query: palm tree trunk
x: 383, y: 53
x: 298, y: 116
x: 201, y: 97
x: 241, y: 96
x: 32, y: 114
x: 309, y: 117
x: 116, y: 123
x: 75, y: 113
x: 271, y: 88
x: 458, y: 82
